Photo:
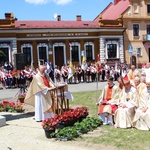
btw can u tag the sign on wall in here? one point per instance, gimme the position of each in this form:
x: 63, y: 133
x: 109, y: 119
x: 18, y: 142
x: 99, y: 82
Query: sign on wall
x: 130, y: 49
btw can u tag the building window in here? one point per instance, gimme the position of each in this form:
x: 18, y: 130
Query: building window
x: 112, y: 50
x: 148, y: 8
x: 148, y: 28
x: 135, y: 30
x: 27, y: 52
x: 26, y: 49
x: 75, y: 53
x: 89, y: 52
x: 136, y: 9
x: 5, y: 50
x: 139, y: 52
x: 43, y: 53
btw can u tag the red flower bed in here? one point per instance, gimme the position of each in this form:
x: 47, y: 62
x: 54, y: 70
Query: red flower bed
x: 11, y: 106
x: 49, y: 123
x: 66, y: 117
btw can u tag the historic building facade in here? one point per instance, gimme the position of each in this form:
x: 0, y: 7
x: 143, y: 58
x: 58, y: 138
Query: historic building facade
x: 122, y: 24
x: 137, y: 23
x: 60, y: 41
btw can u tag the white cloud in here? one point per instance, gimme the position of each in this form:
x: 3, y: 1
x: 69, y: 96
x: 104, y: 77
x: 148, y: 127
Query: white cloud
x: 62, y: 2
x: 58, y: 2
x: 36, y: 1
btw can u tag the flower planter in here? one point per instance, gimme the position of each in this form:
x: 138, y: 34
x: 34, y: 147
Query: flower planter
x: 21, y: 100
x: 48, y: 132
x: 61, y: 125
x: 81, y: 118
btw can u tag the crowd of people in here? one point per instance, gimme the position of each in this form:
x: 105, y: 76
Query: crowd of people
x: 92, y: 72
x: 127, y: 104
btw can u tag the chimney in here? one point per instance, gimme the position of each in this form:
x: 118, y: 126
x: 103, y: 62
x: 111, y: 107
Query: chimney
x: 78, y: 18
x: 8, y: 16
x: 116, y: 1
x: 59, y: 18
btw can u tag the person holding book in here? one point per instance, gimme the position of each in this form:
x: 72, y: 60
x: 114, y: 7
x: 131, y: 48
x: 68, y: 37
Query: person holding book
x: 127, y: 103
x: 39, y: 95
x: 107, y: 102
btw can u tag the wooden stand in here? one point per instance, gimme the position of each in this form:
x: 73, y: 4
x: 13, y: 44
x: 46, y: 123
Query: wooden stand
x: 61, y: 102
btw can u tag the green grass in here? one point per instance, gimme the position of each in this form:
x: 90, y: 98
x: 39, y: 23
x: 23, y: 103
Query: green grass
x: 125, y: 139
x: 88, y: 99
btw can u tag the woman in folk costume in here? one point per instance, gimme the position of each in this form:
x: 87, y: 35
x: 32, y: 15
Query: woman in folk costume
x: 93, y: 72
x: 9, y: 79
x: 3, y: 78
x: 57, y: 74
x: 112, y: 72
x: 88, y: 73
x: 142, y: 116
x: 39, y: 95
x: 64, y: 72
x: 98, y: 68
x: 28, y: 75
x: 79, y: 73
x: 75, y: 74
x: 107, y: 102
x: 127, y: 103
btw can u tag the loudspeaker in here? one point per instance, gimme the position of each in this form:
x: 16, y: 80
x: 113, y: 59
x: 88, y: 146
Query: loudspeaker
x: 19, y: 61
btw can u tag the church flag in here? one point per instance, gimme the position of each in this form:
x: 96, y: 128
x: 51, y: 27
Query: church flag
x: 84, y: 64
x: 71, y: 70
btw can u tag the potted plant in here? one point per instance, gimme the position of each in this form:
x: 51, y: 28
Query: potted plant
x: 18, y: 107
x: 67, y: 118
x: 49, y: 126
x: 79, y: 128
x: 68, y: 133
x: 11, y: 106
x: 21, y: 96
x: 81, y: 112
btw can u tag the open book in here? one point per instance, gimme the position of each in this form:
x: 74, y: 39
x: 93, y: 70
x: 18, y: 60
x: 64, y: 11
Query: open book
x: 129, y: 105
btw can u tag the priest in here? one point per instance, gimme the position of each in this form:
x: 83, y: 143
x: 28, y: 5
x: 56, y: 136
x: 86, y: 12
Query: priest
x: 39, y: 94
x: 107, y: 102
x: 127, y: 103
x: 141, y: 119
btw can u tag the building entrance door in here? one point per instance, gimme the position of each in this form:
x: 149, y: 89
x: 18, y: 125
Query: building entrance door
x: 133, y: 60
x: 59, y: 56
x: 149, y: 54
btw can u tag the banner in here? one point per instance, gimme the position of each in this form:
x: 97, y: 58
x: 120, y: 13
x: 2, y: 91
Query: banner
x: 71, y: 70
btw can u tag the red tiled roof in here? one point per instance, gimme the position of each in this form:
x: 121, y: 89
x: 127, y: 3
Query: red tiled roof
x: 55, y: 24
x: 111, y: 12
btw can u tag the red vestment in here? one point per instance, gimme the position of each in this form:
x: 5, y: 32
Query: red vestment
x: 46, y: 83
x: 108, y: 97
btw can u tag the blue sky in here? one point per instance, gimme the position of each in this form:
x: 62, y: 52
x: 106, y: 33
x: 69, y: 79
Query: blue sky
x: 45, y: 9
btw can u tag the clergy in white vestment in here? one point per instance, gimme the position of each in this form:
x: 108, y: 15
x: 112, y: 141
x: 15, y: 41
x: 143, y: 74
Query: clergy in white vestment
x: 127, y: 103
x: 133, y: 72
x: 142, y: 116
x: 39, y: 95
x: 140, y: 86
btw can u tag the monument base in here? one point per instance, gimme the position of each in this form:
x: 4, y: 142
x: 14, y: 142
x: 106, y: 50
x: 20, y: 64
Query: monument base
x: 2, y: 121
